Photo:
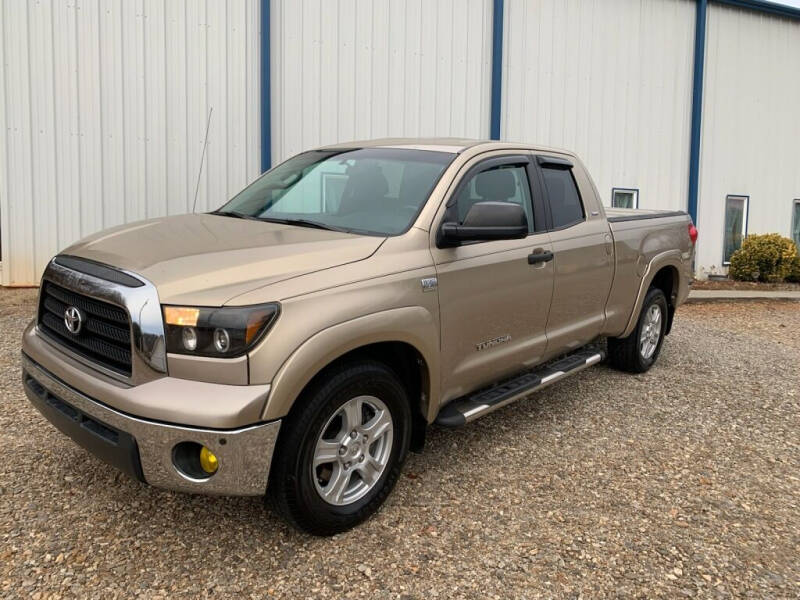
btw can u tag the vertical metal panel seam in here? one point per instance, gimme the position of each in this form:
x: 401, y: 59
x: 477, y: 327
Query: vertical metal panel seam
x: 450, y: 78
x: 266, y: 116
x: 226, y: 139
x: 4, y: 229
x: 419, y: 75
x: 207, y: 114
x: 247, y: 83
x: 30, y: 128
x: 320, y: 88
x: 403, y: 103
x: 144, y: 108
x: 280, y: 75
x: 355, y: 67
x: 166, y: 131
x: 55, y: 126
x: 123, y: 143
x: 100, y: 118
x: 338, y: 79
x: 450, y: 74
x: 372, y: 70
x: 301, y: 83
x: 186, y: 112
x: 78, y: 121
x: 436, y: 38
x: 497, y: 69
x: 697, y: 106
x: 388, y: 66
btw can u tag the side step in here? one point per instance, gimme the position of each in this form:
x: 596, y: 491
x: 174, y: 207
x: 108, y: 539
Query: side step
x: 468, y: 408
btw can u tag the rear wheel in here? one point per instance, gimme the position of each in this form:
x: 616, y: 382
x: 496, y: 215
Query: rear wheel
x: 341, y: 452
x: 637, y: 352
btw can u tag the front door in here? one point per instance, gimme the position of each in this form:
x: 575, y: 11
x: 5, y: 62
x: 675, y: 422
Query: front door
x: 494, y: 300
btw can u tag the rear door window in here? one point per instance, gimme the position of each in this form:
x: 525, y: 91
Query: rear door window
x: 563, y: 198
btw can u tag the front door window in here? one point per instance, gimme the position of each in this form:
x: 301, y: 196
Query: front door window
x: 506, y: 183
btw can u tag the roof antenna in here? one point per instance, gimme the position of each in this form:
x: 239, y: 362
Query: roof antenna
x: 202, y: 158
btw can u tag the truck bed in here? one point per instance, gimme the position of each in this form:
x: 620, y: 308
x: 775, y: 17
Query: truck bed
x: 640, y: 237
x: 616, y: 215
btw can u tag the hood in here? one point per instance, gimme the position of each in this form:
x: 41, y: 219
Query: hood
x: 208, y: 259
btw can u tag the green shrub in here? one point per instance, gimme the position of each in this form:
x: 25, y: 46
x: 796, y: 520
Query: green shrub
x: 794, y: 275
x: 769, y: 257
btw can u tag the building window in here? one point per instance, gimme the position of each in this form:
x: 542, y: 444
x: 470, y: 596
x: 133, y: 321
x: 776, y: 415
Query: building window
x: 625, y: 198
x: 735, y: 225
x: 796, y: 223
x: 333, y: 185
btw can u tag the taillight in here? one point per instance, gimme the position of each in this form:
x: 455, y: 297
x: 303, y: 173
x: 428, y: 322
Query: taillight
x: 692, y: 233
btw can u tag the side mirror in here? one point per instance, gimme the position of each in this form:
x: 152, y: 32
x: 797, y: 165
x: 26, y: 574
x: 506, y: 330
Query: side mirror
x: 487, y: 221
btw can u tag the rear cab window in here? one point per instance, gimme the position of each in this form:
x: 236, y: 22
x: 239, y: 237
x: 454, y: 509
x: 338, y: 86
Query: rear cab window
x: 563, y: 198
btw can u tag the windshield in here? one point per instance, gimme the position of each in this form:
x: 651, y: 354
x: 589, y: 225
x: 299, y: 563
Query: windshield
x: 375, y: 191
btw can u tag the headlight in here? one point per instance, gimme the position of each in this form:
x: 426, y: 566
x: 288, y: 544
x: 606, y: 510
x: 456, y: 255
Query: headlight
x: 219, y: 332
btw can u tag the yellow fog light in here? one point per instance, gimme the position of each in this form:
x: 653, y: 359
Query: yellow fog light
x: 208, y: 461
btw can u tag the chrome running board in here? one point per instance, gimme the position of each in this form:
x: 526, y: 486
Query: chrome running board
x: 468, y: 408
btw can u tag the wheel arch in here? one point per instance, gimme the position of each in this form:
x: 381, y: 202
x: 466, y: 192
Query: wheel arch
x: 667, y: 280
x: 662, y: 272
x: 405, y: 339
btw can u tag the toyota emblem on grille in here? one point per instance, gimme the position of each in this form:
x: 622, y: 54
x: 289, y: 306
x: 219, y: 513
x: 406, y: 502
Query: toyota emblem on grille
x: 73, y: 319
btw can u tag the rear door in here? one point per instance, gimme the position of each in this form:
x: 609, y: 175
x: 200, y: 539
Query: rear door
x: 583, y: 254
x: 494, y: 300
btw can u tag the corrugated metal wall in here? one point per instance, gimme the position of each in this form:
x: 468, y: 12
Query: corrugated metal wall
x: 347, y: 70
x: 751, y: 124
x: 103, y: 103
x: 609, y: 79
x: 104, y: 107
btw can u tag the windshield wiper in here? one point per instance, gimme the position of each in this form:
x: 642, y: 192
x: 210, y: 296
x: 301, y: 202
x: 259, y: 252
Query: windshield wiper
x: 314, y: 224
x: 235, y: 215
x: 303, y: 223
x: 297, y: 222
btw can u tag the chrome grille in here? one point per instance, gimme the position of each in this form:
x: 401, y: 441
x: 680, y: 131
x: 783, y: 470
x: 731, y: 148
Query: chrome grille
x: 105, y: 335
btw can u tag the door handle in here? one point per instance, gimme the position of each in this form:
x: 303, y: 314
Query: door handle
x: 540, y: 257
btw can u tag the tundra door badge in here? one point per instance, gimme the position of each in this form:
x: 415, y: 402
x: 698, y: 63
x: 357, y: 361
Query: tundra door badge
x: 429, y: 284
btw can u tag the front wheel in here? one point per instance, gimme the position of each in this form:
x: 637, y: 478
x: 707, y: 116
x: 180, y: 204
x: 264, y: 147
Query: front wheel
x: 637, y: 352
x: 342, y: 449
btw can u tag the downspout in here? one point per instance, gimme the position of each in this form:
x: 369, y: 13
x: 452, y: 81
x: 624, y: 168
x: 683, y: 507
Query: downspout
x: 497, y: 69
x: 697, y: 106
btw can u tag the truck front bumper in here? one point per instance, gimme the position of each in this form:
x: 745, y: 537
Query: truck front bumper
x: 146, y: 449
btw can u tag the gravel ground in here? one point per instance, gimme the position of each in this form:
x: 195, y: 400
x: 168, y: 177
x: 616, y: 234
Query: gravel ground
x: 681, y: 482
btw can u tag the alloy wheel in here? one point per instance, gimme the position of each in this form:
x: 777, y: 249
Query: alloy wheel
x: 353, y: 450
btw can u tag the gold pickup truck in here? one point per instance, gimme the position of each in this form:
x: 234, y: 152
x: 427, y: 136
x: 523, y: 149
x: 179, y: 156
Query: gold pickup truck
x: 298, y: 341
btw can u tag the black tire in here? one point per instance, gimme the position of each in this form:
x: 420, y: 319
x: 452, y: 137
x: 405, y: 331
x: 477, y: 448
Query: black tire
x: 292, y: 489
x: 625, y: 354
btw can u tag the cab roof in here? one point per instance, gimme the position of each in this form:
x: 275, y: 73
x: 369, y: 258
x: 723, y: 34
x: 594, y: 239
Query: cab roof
x: 440, y: 144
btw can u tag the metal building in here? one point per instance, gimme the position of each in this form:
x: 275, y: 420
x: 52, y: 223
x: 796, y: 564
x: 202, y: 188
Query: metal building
x: 104, y: 104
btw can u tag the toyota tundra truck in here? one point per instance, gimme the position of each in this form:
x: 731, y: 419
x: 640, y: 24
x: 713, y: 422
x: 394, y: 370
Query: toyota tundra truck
x: 297, y: 342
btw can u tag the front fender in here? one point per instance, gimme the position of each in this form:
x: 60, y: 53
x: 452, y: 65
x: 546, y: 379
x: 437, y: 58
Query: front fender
x: 413, y: 325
